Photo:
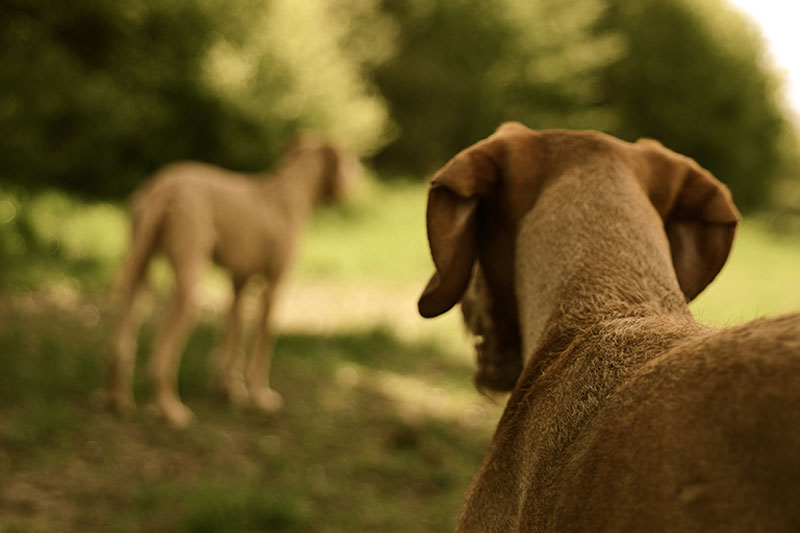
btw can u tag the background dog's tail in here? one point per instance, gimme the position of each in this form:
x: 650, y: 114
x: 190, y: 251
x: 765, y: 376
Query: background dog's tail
x: 147, y: 215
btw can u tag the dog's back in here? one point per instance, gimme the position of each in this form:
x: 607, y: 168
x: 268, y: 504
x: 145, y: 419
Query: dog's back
x: 703, y: 437
x: 233, y: 217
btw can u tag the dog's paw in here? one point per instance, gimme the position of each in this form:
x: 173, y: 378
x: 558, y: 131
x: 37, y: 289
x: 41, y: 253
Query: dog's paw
x: 238, y: 395
x: 266, y: 399
x: 236, y: 391
x: 175, y: 414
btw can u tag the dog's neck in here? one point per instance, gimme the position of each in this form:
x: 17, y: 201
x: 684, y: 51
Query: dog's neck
x: 592, y: 248
x: 301, y: 178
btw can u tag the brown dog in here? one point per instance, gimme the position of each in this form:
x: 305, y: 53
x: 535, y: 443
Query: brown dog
x: 574, y: 254
x: 193, y: 213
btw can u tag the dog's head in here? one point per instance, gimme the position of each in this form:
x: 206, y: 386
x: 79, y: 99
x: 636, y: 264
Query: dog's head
x: 343, y: 172
x: 476, y: 201
x: 341, y: 168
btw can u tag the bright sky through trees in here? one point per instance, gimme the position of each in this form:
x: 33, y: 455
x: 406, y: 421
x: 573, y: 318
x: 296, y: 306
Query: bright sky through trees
x: 778, y: 22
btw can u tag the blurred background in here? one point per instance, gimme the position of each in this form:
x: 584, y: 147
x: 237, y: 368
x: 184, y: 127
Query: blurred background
x: 382, y: 427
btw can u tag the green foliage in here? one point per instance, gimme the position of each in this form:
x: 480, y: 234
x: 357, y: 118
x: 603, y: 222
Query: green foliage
x: 96, y: 94
x: 52, y: 238
x: 694, y: 76
x: 464, y: 66
x: 690, y: 74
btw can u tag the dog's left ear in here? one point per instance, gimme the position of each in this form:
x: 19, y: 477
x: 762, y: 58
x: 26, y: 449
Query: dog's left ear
x: 699, y: 215
x: 453, y: 199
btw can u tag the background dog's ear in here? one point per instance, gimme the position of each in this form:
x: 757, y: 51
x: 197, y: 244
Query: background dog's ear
x: 451, y: 221
x: 700, y: 217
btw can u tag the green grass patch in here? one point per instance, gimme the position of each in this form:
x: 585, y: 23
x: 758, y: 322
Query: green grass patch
x: 53, y: 239
x: 209, y: 506
x: 379, y: 234
x: 761, y: 277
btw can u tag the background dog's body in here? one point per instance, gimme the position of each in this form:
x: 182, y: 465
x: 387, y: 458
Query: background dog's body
x: 195, y: 213
x: 627, y: 414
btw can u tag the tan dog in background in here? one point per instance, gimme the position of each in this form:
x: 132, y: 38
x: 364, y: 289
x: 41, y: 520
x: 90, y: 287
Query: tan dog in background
x: 574, y: 254
x: 195, y: 213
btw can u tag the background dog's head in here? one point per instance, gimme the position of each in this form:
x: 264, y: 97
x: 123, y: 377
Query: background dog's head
x: 342, y: 169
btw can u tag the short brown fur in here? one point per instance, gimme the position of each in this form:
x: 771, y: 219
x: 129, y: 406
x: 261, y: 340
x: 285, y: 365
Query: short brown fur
x: 249, y: 225
x: 575, y: 253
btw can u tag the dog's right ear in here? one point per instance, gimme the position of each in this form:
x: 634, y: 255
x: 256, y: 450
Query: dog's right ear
x: 699, y: 215
x: 453, y: 199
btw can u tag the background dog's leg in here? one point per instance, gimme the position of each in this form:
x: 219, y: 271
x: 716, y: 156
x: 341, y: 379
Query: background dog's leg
x: 228, y: 362
x: 258, y: 366
x: 169, y: 344
x: 123, y: 352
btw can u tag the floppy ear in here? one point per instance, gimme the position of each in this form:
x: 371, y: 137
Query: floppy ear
x: 700, y: 217
x: 451, y: 220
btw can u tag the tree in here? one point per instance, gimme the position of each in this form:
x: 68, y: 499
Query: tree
x: 98, y: 93
x: 695, y: 77
x: 690, y: 74
x: 463, y: 66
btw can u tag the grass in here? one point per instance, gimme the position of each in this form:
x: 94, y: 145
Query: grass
x: 374, y: 426
x: 759, y: 279
x: 382, y: 428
